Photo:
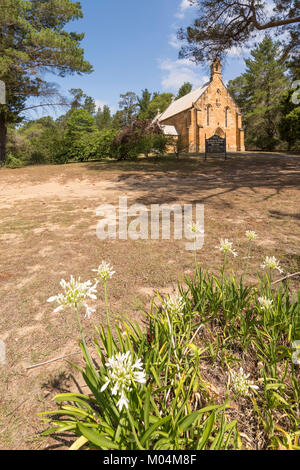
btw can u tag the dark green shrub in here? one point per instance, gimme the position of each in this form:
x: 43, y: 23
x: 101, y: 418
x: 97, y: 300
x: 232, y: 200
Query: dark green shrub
x: 13, y: 162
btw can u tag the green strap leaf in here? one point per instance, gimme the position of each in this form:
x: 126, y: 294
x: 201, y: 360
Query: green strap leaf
x: 96, y: 438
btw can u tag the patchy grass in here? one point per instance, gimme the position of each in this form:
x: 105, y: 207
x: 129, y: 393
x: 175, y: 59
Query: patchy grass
x: 48, y: 231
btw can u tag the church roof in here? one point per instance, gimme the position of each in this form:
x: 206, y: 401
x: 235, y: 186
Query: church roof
x: 169, y: 130
x: 186, y: 102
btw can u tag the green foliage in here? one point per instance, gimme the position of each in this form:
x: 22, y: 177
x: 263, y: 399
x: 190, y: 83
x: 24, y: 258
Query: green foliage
x: 80, y: 122
x: 90, y: 146
x: 184, y: 90
x: 83, y: 148
x: 128, y: 105
x: 159, y: 103
x: 12, y: 162
x: 105, y: 143
x: 103, y: 118
x: 289, y: 125
x: 258, y: 92
x: 144, y: 103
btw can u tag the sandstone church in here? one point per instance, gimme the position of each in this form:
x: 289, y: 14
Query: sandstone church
x: 206, y: 111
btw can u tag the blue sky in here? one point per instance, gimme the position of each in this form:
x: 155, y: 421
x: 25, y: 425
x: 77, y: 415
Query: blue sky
x: 132, y: 45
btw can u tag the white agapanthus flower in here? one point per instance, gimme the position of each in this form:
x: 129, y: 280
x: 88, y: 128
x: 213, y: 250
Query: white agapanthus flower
x: 251, y: 235
x: 174, y: 306
x: 241, y: 384
x: 271, y: 263
x: 104, y: 271
x: 75, y: 294
x: 122, y: 373
x: 265, y: 303
x: 195, y: 228
x: 226, y: 247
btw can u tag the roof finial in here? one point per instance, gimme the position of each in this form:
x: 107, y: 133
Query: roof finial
x: 216, y: 69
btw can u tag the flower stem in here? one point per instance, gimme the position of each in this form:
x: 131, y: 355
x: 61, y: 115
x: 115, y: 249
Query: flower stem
x: 106, y: 304
x: 80, y: 326
x: 247, y: 260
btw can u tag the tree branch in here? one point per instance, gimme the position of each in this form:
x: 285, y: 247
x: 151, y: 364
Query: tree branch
x: 47, y: 104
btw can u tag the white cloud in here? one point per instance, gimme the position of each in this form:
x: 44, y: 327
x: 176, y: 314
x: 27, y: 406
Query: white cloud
x: 175, y: 42
x: 183, y: 7
x: 100, y: 104
x: 177, y: 72
x: 243, y: 52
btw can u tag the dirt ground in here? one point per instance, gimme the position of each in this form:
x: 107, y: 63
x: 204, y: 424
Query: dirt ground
x: 48, y: 232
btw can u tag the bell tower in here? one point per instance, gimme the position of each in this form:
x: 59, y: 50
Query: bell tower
x: 216, y: 69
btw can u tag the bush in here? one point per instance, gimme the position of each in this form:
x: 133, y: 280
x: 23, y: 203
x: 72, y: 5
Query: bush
x: 83, y: 148
x: 105, y: 143
x: 143, y: 137
x: 13, y: 162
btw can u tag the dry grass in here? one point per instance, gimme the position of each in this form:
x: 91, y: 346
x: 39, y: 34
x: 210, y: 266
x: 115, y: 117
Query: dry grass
x: 47, y: 231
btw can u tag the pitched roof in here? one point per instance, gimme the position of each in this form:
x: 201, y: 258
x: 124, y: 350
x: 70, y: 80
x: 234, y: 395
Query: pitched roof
x: 169, y: 130
x: 186, y: 102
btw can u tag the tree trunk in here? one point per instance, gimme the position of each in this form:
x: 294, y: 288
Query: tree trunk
x: 3, y: 136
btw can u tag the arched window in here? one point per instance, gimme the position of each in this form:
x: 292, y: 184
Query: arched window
x: 208, y: 116
x: 226, y: 116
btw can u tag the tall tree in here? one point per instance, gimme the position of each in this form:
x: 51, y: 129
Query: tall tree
x: 33, y: 40
x: 89, y: 105
x: 80, y: 122
x: 223, y: 24
x: 77, y: 98
x: 103, y: 118
x: 259, y: 91
x: 128, y: 104
x: 185, y: 89
x: 143, y: 103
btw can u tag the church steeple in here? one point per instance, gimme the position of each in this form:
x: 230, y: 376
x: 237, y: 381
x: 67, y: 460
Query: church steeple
x: 216, y: 69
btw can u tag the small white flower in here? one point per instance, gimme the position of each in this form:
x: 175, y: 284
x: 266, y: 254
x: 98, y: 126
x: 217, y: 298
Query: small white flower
x: 75, y: 293
x: 104, y: 271
x: 174, y: 306
x: 271, y: 263
x: 265, y: 303
x: 89, y: 311
x: 195, y: 228
x: 251, y: 235
x: 122, y: 373
x: 241, y: 384
x: 226, y: 247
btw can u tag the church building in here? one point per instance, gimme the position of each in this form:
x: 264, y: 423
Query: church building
x: 204, y: 112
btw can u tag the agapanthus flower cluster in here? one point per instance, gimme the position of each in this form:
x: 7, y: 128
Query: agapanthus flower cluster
x: 241, y: 384
x: 271, y: 263
x: 122, y: 374
x: 251, y: 235
x: 174, y: 306
x: 226, y: 247
x: 265, y: 303
x: 75, y: 294
x: 104, y: 271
